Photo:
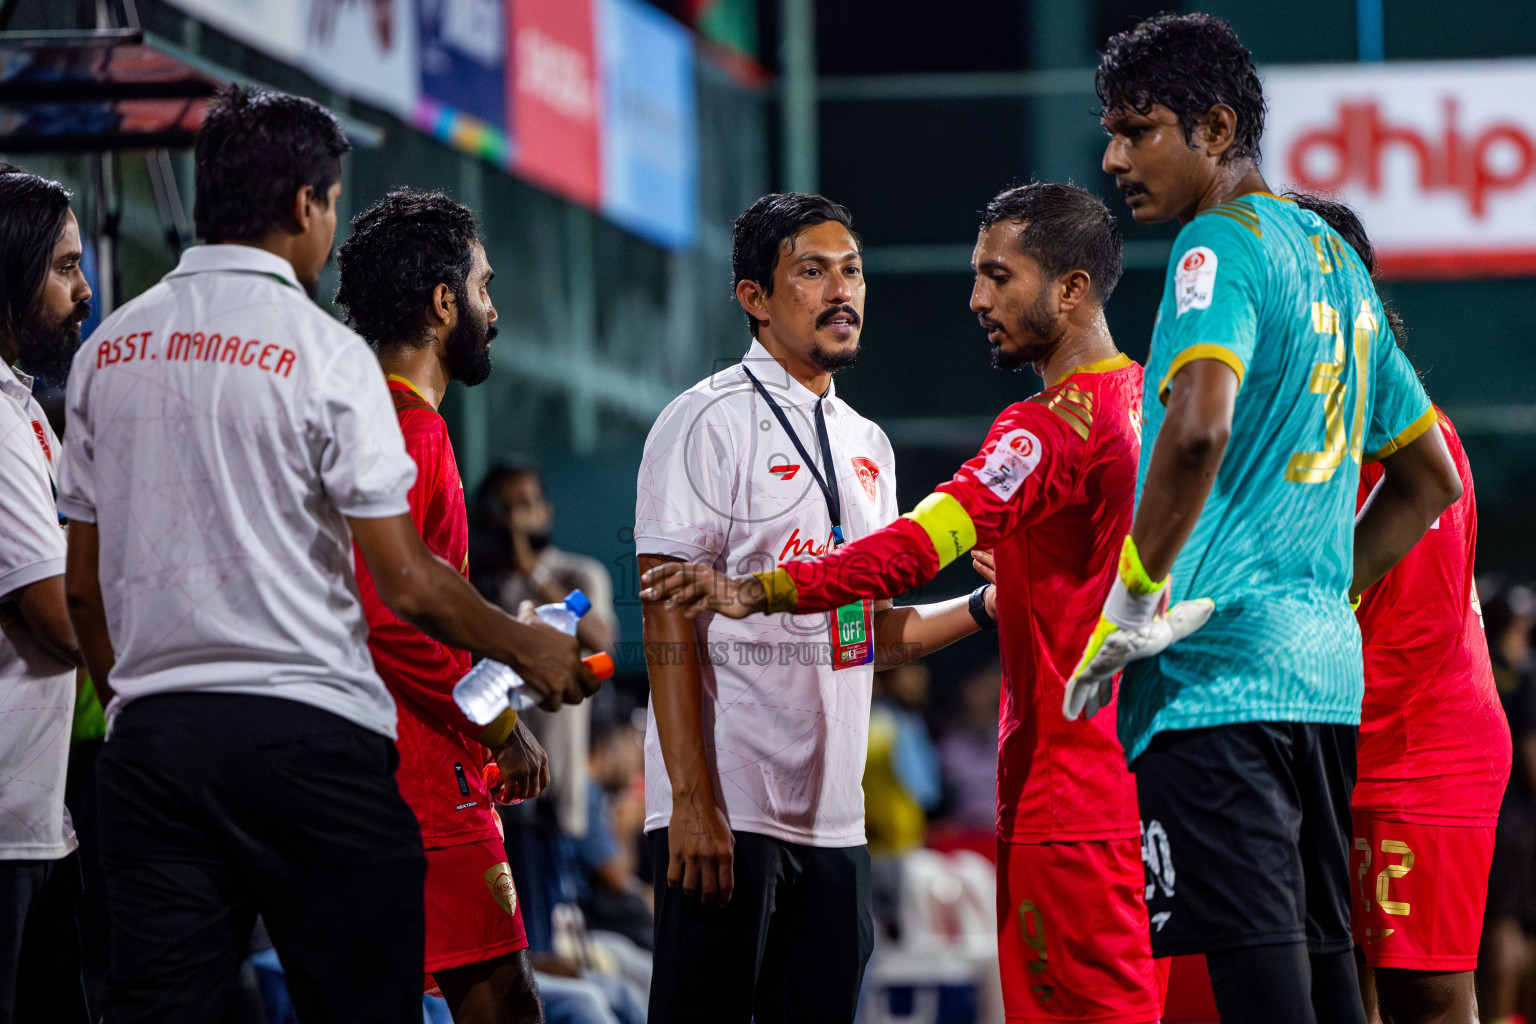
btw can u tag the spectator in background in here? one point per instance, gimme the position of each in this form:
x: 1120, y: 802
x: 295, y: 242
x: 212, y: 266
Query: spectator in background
x: 512, y: 561
x: 613, y: 898
x: 43, y: 300
x: 902, y: 784
x: 1509, y: 926
x: 968, y: 753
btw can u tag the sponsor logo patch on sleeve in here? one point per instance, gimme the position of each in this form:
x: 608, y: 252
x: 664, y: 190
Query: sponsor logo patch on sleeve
x: 1015, y: 457
x: 1195, y: 280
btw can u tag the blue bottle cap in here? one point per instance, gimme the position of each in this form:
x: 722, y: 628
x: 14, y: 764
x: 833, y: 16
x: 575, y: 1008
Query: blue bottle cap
x: 578, y: 603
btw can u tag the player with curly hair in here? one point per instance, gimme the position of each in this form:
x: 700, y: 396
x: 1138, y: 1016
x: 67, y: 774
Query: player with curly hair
x: 414, y: 283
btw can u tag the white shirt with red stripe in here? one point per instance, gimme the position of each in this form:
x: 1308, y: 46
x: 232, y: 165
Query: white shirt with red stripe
x: 721, y: 483
x: 221, y: 428
x: 37, y: 690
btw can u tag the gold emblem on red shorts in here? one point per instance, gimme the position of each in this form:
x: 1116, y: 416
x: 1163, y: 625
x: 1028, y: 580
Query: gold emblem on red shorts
x: 498, y: 879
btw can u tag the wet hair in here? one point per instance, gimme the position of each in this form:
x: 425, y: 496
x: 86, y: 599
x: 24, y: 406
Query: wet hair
x: 1347, y: 223
x: 33, y: 211
x: 254, y: 151
x: 1188, y: 63
x: 490, y: 539
x: 764, y: 227
x: 400, y: 249
x: 1065, y: 229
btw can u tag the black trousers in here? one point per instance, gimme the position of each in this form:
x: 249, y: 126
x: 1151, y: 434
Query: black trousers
x: 789, y: 948
x: 217, y: 807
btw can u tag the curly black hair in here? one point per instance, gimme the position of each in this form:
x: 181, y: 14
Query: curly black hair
x: 1188, y: 63
x: 400, y: 249
x: 764, y: 227
x: 1065, y: 229
x: 254, y: 151
x: 1347, y: 223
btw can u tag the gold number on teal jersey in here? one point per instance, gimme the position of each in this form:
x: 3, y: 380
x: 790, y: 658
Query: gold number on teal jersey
x: 1328, y: 379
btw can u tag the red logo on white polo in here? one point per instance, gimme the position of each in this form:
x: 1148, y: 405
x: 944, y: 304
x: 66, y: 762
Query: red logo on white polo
x: 868, y: 470
x: 785, y: 472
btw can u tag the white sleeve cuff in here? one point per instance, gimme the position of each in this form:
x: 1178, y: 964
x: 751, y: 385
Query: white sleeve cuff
x: 29, y: 574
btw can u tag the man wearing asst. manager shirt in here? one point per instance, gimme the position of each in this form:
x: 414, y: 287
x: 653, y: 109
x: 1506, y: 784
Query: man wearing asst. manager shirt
x: 227, y: 441
x: 757, y: 734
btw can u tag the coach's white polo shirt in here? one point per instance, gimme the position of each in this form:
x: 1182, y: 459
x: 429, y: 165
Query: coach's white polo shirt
x: 37, y: 691
x: 220, y: 427
x: 721, y: 483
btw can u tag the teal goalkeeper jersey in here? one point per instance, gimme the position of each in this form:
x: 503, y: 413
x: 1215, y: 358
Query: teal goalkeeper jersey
x: 1272, y: 291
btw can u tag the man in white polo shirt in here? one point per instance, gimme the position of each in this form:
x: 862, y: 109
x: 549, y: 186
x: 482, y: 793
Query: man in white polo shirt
x: 227, y: 441
x: 43, y: 300
x: 756, y: 741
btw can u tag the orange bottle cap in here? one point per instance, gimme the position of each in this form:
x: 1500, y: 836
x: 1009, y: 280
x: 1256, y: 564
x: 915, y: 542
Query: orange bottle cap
x: 600, y: 663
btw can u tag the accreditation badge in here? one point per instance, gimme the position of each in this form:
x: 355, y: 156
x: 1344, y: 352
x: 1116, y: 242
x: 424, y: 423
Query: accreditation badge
x: 852, y: 628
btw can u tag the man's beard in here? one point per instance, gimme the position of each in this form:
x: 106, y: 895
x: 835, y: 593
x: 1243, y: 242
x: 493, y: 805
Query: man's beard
x: 1034, y: 322
x: 834, y: 361
x: 829, y: 360
x: 46, y: 349
x: 537, y: 541
x: 467, y: 352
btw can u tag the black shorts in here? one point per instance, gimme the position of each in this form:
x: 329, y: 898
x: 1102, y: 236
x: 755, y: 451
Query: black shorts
x: 789, y: 948
x: 1245, y: 836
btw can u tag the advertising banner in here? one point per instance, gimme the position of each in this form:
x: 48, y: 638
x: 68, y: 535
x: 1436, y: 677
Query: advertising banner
x: 1438, y: 158
x: 463, y: 57
x: 555, y: 98
x: 273, y: 26
x: 366, y: 50
x: 650, y: 132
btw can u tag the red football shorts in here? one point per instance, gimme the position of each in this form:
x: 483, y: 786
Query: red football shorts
x: 1072, y: 936
x: 1419, y: 892
x: 472, y: 909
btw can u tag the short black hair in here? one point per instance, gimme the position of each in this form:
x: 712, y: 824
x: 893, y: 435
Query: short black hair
x: 1346, y: 222
x: 400, y: 249
x: 33, y: 211
x: 255, y: 149
x: 1189, y: 63
x: 764, y: 227
x: 1065, y: 228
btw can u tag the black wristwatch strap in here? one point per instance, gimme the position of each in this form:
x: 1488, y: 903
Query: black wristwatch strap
x: 978, y: 607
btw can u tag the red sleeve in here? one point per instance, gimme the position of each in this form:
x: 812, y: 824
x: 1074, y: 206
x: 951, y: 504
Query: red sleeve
x: 416, y: 667
x: 1024, y: 472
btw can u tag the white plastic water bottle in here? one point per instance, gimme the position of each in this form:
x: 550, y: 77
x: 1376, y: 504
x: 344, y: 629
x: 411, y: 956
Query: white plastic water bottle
x: 490, y: 687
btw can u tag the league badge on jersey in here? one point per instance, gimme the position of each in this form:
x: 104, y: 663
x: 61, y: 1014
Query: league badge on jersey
x: 1194, y: 282
x: 867, y: 470
x: 1015, y: 457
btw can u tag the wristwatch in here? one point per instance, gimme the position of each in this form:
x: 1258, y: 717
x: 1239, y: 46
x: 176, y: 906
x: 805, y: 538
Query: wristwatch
x: 978, y: 607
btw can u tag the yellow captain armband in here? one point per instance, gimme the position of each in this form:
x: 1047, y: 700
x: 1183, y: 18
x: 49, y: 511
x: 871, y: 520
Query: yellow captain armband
x: 495, y: 734
x: 782, y: 593
x: 1354, y: 602
x: 1133, y: 574
x: 947, y: 524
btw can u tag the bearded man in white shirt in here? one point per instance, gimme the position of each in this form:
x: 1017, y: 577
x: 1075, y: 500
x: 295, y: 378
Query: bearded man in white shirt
x: 44, y: 298
x: 227, y: 442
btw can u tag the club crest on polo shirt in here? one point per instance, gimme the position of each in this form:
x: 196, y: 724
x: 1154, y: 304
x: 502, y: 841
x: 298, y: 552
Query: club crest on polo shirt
x: 1194, y: 282
x: 498, y: 879
x: 868, y: 470
x: 1006, y: 466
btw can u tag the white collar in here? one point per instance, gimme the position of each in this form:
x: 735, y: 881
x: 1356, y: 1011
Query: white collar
x: 781, y: 384
x: 202, y: 259
x: 15, y: 383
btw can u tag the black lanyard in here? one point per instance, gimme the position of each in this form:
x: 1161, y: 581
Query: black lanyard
x: 828, y: 484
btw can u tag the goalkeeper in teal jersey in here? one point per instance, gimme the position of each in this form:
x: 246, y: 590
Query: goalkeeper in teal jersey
x: 1272, y: 376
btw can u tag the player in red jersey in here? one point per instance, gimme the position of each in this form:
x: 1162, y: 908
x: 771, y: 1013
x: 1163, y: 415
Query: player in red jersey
x: 1050, y: 494
x: 413, y: 282
x: 1433, y: 755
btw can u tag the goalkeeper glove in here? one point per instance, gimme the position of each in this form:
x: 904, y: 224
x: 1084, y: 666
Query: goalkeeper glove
x: 1136, y: 623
